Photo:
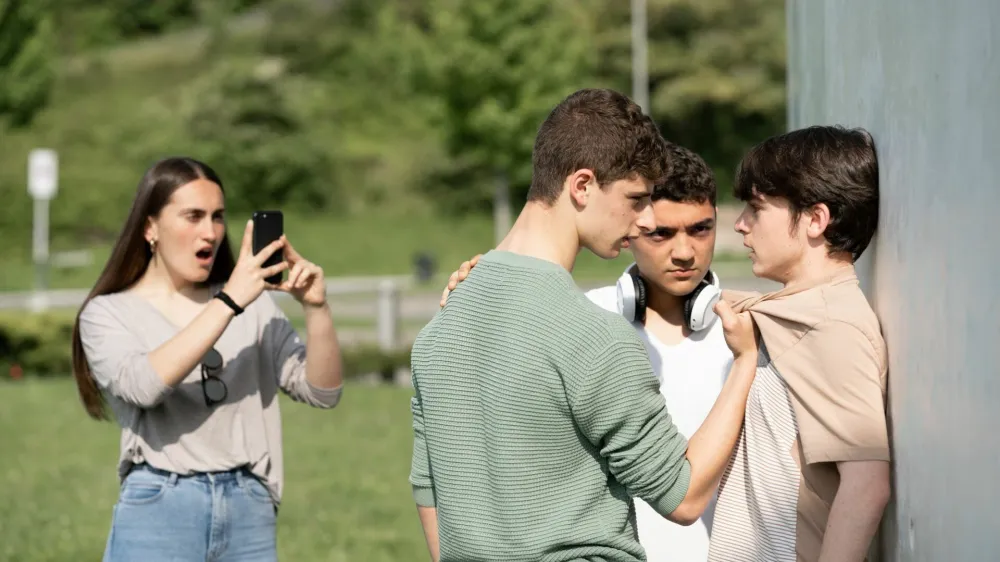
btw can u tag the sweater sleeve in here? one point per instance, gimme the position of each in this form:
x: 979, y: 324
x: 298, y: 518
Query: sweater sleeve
x: 118, y: 360
x: 617, y: 405
x: 289, y: 355
x: 421, y: 479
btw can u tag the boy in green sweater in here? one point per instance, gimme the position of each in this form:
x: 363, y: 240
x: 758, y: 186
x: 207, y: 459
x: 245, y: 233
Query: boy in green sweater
x: 536, y: 414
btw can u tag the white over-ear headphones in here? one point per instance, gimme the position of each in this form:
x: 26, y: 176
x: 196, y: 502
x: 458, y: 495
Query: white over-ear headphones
x: 699, y: 311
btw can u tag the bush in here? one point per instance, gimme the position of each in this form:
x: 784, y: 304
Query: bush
x: 363, y: 360
x: 40, y: 345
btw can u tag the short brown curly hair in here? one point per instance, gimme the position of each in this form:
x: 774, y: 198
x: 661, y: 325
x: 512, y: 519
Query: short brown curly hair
x: 599, y: 129
x: 688, y: 178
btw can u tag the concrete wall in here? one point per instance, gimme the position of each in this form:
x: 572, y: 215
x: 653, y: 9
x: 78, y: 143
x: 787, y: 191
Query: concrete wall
x: 924, y: 77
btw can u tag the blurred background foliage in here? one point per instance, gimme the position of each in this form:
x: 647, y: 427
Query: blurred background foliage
x: 362, y: 112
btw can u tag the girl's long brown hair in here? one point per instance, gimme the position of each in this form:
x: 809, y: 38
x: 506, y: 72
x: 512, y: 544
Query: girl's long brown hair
x: 131, y: 255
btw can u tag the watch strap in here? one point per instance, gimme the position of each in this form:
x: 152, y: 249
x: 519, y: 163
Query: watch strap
x: 222, y: 296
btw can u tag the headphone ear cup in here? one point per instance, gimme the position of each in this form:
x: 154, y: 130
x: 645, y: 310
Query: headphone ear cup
x: 699, y: 306
x: 632, y: 295
x: 699, y: 309
x: 689, y: 303
x: 626, y: 297
x: 640, y: 298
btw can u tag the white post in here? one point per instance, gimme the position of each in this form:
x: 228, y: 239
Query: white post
x: 640, y: 70
x: 40, y: 243
x: 43, y: 174
x: 387, y: 320
x: 388, y: 315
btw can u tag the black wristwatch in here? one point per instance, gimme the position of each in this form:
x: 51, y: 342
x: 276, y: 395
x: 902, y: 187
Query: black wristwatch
x: 222, y: 296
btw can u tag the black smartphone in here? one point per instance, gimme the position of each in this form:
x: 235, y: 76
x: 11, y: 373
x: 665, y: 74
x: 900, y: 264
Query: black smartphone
x: 268, y: 226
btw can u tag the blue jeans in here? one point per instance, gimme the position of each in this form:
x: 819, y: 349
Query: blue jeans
x: 223, y: 516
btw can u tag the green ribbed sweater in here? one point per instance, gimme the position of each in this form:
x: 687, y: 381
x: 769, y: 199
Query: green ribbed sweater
x: 536, y: 416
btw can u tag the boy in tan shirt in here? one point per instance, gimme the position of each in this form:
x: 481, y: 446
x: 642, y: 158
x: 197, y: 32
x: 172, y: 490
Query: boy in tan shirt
x: 810, y: 477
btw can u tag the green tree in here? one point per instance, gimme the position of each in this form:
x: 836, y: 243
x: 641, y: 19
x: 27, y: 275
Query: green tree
x: 716, y: 70
x: 498, y: 68
x: 468, y: 82
x: 26, y: 60
x: 243, y: 122
x: 448, y: 94
x: 360, y: 58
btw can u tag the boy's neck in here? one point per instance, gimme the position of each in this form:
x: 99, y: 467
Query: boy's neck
x: 543, y: 232
x: 667, y: 306
x: 815, y: 268
x: 665, y: 316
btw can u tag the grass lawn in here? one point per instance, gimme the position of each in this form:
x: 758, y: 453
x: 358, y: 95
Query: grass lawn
x: 346, y: 495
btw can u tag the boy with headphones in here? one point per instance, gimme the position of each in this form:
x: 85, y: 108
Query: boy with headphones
x: 668, y: 296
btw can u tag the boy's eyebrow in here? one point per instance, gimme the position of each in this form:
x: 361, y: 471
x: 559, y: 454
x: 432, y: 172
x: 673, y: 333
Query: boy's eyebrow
x: 705, y: 223
x: 663, y: 230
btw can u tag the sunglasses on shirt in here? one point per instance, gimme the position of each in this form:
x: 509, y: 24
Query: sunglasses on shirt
x: 212, y: 387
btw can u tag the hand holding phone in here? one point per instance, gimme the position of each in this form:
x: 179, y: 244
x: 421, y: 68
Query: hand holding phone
x: 265, y: 233
x: 255, y: 270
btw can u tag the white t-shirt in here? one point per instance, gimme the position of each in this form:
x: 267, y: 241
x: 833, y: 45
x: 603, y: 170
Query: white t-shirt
x: 691, y: 375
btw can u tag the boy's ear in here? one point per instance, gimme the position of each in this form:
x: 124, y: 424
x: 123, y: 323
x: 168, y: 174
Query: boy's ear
x: 819, y: 220
x: 581, y: 184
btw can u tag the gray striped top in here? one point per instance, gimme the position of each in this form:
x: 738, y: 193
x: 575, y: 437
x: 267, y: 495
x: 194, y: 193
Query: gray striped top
x: 171, y: 428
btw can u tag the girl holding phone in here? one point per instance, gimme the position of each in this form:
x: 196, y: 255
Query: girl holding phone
x: 180, y: 341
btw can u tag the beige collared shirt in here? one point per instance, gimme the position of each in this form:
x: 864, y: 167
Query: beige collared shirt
x: 819, y: 398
